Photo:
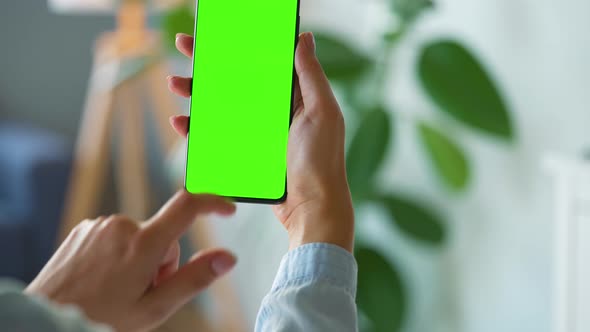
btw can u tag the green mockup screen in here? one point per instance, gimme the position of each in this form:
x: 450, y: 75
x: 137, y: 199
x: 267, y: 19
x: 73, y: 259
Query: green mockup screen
x: 241, y: 98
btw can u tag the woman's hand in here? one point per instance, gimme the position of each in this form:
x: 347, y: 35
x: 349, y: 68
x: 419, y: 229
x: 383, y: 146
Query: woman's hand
x: 318, y: 206
x: 125, y: 274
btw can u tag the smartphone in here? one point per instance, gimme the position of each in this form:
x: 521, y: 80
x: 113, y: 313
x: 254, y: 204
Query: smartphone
x: 242, y: 98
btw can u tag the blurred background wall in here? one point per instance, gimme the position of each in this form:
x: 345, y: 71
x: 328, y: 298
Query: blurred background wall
x: 45, y: 63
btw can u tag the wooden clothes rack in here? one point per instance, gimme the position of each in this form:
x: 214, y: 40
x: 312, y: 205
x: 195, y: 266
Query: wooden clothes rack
x: 128, y: 65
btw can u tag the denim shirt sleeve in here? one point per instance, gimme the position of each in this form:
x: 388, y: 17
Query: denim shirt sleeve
x: 23, y: 313
x: 314, y: 290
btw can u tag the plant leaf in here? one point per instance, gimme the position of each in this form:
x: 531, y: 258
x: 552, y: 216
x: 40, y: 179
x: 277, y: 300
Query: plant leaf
x: 446, y: 156
x: 460, y: 86
x: 177, y: 20
x: 340, y: 61
x: 414, y: 219
x: 381, y: 295
x: 367, y: 150
x: 408, y: 10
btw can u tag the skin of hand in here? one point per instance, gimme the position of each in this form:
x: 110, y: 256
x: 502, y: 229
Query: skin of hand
x: 318, y: 206
x: 125, y: 274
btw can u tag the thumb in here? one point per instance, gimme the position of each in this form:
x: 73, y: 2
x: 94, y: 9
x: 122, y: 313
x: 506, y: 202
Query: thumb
x: 196, y: 275
x: 315, y: 88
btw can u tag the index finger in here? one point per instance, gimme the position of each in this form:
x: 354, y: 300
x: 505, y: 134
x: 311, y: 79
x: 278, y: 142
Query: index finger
x: 178, y: 214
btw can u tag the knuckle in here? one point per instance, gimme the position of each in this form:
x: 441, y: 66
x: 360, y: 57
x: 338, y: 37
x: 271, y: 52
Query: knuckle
x: 118, y: 217
x: 119, y: 224
x: 80, y: 230
x: 81, y: 226
x: 75, y: 232
x: 185, y: 199
x: 117, y: 231
x: 99, y: 220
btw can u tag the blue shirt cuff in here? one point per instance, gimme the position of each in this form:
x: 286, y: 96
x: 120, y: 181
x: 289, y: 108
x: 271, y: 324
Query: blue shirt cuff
x: 318, y: 262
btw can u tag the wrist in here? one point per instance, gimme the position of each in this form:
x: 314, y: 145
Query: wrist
x: 322, y: 223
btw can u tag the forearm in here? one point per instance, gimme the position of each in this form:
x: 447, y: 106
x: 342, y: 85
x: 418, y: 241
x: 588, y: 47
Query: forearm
x: 314, y: 291
x: 20, y: 312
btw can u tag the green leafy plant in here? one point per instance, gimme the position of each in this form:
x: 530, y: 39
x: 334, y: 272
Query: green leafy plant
x: 463, y: 94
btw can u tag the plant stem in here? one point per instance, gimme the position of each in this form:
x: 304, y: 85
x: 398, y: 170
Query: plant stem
x: 384, y: 64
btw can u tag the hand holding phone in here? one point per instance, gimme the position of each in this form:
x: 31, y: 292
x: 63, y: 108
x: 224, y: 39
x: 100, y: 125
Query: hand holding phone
x: 319, y: 207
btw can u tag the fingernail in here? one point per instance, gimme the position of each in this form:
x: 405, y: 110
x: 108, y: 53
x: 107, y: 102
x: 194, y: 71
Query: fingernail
x: 168, y: 78
x: 222, y: 264
x: 178, y: 35
x: 310, y: 41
